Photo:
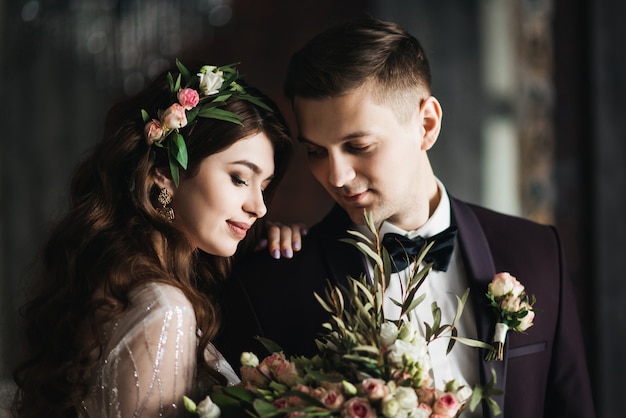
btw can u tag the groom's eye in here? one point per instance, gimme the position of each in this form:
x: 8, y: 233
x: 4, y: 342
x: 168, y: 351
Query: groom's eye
x: 314, y: 152
x: 358, y: 148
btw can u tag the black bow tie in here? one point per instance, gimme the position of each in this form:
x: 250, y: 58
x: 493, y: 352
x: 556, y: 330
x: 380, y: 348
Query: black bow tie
x: 400, y: 248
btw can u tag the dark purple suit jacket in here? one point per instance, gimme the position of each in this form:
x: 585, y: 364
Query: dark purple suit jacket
x: 544, y: 373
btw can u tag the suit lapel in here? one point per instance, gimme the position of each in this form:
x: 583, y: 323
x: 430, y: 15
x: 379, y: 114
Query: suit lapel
x: 342, y: 259
x: 480, y: 269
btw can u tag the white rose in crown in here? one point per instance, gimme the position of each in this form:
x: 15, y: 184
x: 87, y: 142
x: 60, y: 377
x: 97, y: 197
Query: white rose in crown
x: 210, y: 81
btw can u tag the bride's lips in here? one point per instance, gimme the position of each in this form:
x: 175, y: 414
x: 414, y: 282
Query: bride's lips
x: 239, y: 229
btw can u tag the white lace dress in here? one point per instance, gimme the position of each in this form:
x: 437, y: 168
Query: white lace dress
x: 150, y: 358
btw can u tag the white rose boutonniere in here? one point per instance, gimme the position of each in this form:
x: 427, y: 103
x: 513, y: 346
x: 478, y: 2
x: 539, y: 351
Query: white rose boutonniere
x: 513, y: 308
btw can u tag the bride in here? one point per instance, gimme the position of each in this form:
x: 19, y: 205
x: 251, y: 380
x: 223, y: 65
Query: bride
x: 121, y: 320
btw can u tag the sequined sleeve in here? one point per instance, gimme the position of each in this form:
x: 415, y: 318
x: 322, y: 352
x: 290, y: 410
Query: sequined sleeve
x: 150, y: 360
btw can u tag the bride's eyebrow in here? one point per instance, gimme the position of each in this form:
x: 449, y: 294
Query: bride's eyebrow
x: 252, y: 166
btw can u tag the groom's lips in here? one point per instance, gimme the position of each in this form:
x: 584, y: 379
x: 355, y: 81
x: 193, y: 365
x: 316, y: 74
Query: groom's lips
x: 354, y: 197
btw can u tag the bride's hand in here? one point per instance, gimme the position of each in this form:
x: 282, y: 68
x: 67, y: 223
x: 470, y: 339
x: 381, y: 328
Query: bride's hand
x: 283, y: 239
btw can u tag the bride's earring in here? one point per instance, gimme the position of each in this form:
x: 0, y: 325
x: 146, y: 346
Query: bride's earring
x: 165, y: 198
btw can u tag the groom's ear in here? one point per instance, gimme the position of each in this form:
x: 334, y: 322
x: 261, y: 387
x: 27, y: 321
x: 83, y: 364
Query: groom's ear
x: 430, y: 114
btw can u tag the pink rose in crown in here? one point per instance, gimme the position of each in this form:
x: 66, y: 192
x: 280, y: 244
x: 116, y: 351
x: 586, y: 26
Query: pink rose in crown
x: 446, y: 405
x: 153, y: 131
x: 188, y: 98
x: 174, y: 117
x: 358, y: 408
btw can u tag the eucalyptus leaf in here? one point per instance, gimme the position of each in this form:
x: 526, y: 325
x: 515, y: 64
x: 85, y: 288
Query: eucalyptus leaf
x: 436, y: 316
x: 454, y: 334
x: 369, y: 252
x: 322, y: 302
x: 473, y: 343
x: 395, y: 302
x: 367, y: 348
x: 360, y: 236
x: 416, y: 302
x: 269, y: 344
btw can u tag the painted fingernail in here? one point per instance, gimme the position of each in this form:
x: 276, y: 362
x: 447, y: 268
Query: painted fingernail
x: 296, y: 245
x: 276, y: 254
x: 288, y: 253
x: 263, y: 243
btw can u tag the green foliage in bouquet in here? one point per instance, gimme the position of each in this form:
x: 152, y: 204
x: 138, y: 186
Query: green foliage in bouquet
x: 367, y: 365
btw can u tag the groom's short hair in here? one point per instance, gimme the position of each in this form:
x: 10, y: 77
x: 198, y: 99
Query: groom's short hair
x: 361, y: 52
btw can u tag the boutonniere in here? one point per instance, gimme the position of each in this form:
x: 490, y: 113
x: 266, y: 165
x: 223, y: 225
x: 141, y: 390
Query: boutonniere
x: 513, y: 308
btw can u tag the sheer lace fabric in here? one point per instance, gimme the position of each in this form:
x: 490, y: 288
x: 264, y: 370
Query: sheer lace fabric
x: 150, y: 358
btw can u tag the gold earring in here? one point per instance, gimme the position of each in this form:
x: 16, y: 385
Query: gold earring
x: 165, y: 198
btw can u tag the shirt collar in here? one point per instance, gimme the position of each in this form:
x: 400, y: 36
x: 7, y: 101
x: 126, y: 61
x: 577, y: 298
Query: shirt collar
x: 439, y: 220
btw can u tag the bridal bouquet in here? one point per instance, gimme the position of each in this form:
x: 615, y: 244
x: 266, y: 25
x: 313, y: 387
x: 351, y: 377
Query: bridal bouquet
x: 367, y: 366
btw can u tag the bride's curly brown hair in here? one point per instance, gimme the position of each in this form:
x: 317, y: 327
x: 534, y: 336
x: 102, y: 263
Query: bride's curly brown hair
x: 105, y: 246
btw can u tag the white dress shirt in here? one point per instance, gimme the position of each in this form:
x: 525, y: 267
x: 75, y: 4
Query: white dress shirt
x: 461, y: 364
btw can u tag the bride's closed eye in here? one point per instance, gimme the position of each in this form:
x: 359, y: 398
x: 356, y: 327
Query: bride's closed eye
x: 238, y: 181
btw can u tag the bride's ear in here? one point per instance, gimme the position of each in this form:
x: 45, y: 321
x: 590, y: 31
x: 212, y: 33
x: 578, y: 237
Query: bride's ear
x: 161, y: 180
x: 430, y: 116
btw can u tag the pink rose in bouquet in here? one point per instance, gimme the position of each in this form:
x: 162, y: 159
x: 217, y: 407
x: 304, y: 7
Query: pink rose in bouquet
x: 447, y: 405
x: 358, y: 408
x: 281, y: 368
x: 374, y: 389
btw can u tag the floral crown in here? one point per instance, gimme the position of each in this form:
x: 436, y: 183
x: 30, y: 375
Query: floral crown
x: 197, y: 96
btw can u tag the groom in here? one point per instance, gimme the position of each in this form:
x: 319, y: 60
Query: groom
x: 366, y: 116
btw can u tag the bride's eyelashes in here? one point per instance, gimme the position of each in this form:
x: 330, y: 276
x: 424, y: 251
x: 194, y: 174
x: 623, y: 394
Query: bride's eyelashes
x: 238, y: 181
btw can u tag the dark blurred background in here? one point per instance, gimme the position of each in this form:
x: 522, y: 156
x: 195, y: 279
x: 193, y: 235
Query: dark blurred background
x: 532, y: 91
